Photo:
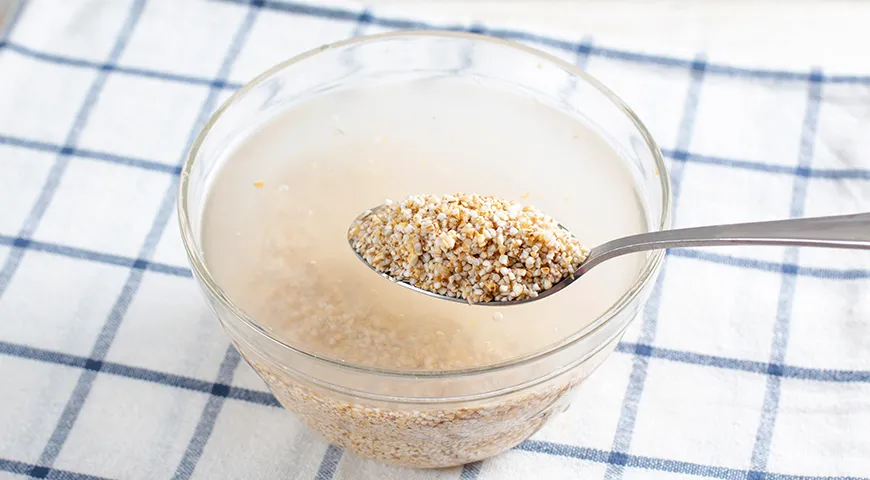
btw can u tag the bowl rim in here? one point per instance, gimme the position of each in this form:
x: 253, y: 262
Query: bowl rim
x: 195, y: 256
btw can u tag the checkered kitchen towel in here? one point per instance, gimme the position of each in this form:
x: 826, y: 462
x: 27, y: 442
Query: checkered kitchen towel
x: 748, y: 363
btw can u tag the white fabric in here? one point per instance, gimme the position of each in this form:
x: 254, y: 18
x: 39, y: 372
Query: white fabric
x: 748, y: 363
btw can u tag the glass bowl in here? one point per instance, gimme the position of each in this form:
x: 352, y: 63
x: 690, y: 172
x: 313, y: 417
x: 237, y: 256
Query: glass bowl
x: 430, y: 418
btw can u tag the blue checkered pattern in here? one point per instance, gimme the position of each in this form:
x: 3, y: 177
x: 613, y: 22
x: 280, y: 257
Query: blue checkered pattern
x: 748, y: 363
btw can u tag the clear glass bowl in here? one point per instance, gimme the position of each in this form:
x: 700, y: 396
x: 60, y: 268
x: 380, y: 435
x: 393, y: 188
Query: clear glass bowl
x: 429, y: 418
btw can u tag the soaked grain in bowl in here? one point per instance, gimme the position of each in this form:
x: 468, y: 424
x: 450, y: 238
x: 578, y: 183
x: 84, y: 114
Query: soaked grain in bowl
x: 274, y: 236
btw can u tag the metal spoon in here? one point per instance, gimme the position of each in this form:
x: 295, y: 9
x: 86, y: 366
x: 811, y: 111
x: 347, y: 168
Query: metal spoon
x: 842, y: 231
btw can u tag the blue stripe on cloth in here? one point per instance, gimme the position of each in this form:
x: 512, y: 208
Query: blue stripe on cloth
x: 90, y: 154
x: 264, y: 398
x: 682, y: 156
x: 139, y: 373
x: 347, y: 15
x: 819, y: 374
x: 361, y: 22
x: 779, y: 346
x: 786, y: 371
x: 111, y: 67
x: 329, y: 464
x: 35, y: 471
x: 740, y: 262
x: 539, y: 447
x: 341, y: 14
x: 634, y: 389
x: 92, y: 256
x: 470, y: 471
x: 692, y: 358
x: 581, y: 59
x: 174, y: 77
x: 205, y: 426
x: 652, y: 463
x: 582, y: 53
x: 789, y: 269
x: 208, y: 417
x: 799, y: 171
x: 110, y: 328
x: 10, y: 266
x: 466, y: 58
x: 349, y: 56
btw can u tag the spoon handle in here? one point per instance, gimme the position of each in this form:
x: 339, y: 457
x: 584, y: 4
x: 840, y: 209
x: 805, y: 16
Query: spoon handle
x: 841, y: 231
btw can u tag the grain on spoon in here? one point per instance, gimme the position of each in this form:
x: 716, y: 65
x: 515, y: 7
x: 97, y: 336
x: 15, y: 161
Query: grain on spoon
x: 474, y: 247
